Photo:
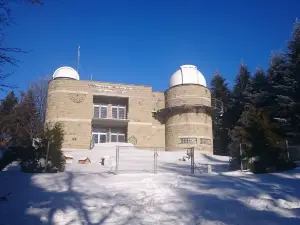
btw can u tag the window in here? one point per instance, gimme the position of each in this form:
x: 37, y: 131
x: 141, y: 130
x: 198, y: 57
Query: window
x: 102, y: 138
x: 100, y: 111
x: 118, y: 112
x: 188, y: 140
x: 121, y: 138
x: 205, y: 141
x: 96, y: 111
x: 103, y: 111
x: 114, y: 112
x: 104, y: 135
x: 95, y: 138
x: 114, y: 138
x: 122, y: 113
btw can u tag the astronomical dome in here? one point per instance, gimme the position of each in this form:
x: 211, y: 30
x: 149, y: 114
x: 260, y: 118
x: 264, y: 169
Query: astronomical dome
x: 187, y: 74
x: 66, y: 72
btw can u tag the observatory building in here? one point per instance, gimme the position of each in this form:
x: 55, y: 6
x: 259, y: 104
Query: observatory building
x: 100, y: 113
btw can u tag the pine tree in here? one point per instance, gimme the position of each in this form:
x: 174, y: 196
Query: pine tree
x: 237, y: 104
x: 256, y: 93
x: 253, y: 134
x: 258, y: 137
x: 281, y: 91
x: 220, y: 92
x: 293, y: 58
x: 7, y: 112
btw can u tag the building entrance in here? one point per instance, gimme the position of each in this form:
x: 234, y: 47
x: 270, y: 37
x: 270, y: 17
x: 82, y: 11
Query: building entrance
x: 106, y: 135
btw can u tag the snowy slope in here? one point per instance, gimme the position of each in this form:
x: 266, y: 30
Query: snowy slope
x: 142, y: 160
x: 85, y: 195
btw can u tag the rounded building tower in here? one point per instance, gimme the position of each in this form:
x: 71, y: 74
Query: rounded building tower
x: 187, y: 112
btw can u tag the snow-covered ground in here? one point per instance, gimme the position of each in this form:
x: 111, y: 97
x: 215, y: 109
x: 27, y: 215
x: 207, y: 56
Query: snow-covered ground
x: 85, y: 194
x: 135, y: 160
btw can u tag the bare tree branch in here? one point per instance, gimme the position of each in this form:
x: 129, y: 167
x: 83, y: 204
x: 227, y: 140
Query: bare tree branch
x: 7, y: 52
x: 40, y: 92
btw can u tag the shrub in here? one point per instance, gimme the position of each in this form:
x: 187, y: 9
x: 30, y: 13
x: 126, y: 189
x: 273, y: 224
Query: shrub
x: 7, y: 158
x: 47, y: 155
x: 52, y: 140
x: 264, y: 164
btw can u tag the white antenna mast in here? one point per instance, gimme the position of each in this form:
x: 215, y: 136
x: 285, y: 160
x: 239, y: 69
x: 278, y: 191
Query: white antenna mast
x: 78, y: 60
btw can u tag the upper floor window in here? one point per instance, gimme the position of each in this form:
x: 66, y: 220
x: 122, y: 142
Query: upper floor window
x: 100, y: 111
x: 118, y: 112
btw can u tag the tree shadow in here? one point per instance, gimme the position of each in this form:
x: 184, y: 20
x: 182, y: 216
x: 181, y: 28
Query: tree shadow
x: 89, y: 199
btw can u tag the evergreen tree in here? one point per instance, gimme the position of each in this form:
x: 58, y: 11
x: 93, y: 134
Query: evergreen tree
x: 237, y: 103
x: 53, y: 137
x: 220, y: 92
x: 281, y: 91
x: 7, y: 116
x: 293, y: 58
x: 258, y: 137
x: 257, y: 92
x: 253, y: 134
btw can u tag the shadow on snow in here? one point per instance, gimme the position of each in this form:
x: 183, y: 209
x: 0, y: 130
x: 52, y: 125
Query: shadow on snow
x: 82, y: 198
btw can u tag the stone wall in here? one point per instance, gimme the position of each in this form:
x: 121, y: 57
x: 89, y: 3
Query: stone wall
x: 185, y: 123
x: 71, y: 102
x: 187, y: 94
x: 189, y: 124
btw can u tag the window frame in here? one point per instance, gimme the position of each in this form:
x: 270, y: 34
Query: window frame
x: 101, y: 106
x: 188, y: 140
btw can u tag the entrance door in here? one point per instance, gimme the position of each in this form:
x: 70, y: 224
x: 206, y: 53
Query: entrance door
x: 99, y: 138
x: 102, y: 137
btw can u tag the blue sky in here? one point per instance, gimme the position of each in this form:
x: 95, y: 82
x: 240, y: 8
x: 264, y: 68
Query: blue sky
x: 145, y: 42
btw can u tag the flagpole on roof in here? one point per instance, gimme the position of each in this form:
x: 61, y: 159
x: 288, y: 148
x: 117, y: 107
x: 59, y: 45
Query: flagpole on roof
x: 78, y: 60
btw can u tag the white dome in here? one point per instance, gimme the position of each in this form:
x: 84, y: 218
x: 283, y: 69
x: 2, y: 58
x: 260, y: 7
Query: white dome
x: 187, y: 74
x: 66, y: 72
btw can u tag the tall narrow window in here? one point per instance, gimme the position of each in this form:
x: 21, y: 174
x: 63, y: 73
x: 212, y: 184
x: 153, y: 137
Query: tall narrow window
x: 103, y: 112
x: 96, y: 111
x: 122, y: 113
x: 95, y: 138
x: 114, y: 112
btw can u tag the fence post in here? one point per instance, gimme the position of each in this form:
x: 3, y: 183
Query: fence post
x: 154, y: 166
x: 287, y: 149
x: 117, y: 160
x: 192, y: 160
x: 241, y: 156
x: 155, y: 160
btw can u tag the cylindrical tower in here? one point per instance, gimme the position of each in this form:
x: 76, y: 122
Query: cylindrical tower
x: 187, y: 114
x: 70, y: 104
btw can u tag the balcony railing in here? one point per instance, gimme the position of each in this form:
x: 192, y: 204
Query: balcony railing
x: 113, y: 112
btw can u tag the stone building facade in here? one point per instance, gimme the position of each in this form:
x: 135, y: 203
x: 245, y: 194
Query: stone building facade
x: 97, y: 113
